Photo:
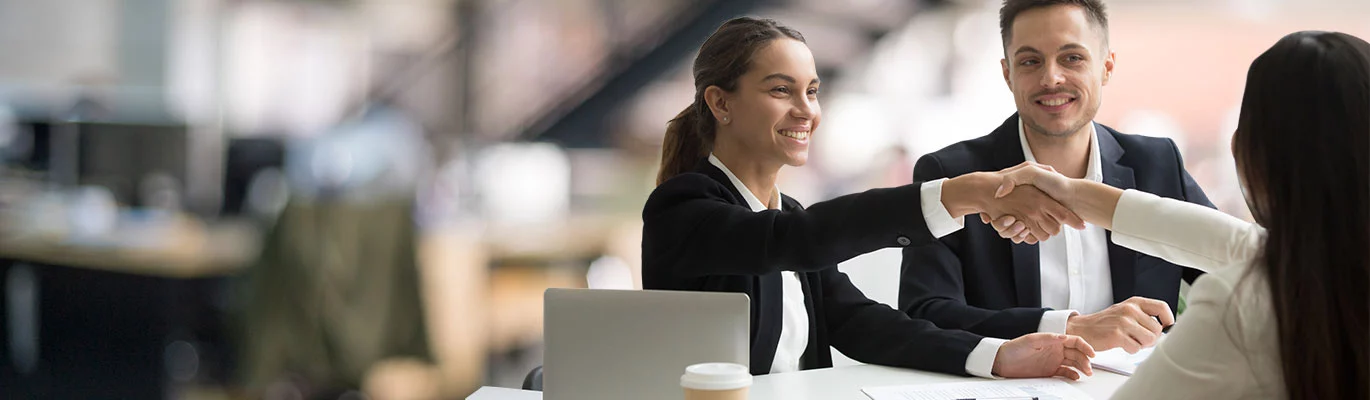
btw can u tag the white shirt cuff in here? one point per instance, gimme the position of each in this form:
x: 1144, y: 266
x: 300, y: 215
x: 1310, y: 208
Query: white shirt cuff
x: 981, y: 360
x: 1054, y: 321
x: 935, y: 214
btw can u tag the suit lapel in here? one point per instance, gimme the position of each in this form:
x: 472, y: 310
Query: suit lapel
x: 1027, y: 260
x: 1027, y: 273
x: 707, y: 168
x: 808, y: 281
x: 770, y: 326
x: 1121, y: 261
x: 769, y: 286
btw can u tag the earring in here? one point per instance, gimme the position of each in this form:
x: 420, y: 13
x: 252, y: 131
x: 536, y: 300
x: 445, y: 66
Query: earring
x: 725, y: 120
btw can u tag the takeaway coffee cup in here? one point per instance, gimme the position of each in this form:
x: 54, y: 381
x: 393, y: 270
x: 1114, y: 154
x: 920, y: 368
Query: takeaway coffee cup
x: 716, y: 381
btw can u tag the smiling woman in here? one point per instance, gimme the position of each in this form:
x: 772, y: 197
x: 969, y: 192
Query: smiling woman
x: 718, y: 222
x: 772, y: 115
x: 693, y: 133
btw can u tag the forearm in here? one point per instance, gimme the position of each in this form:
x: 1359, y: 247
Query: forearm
x: 874, y: 333
x: 956, y: 314
x: 1093, y: 201
x: 966, y: 194
x: 691, y: 230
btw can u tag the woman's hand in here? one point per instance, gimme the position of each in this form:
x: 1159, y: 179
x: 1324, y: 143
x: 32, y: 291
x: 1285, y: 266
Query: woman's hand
x: 1093, y: 201
x: 1042, y: 177
x: 1038, y: 215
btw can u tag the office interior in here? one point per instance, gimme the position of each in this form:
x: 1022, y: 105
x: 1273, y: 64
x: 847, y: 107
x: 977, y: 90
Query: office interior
x: 355, y: 199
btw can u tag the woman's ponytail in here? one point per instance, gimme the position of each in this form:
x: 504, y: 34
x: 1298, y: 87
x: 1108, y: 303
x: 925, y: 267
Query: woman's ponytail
x: 684, y: 145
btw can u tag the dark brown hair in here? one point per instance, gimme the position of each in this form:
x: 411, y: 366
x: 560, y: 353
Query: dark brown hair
x: 725, y: 56
x: 1094, y: 9
x: 1301, y: 143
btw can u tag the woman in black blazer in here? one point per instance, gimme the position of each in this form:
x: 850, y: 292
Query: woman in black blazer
x: 706, y: 229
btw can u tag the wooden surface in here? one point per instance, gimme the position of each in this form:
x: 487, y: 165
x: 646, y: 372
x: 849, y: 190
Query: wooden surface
x: 175, y: 248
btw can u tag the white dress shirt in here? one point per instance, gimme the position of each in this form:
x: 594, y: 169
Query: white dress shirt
x: 1075, y: 272
x: 1226, y: 346
x: 794, y: 330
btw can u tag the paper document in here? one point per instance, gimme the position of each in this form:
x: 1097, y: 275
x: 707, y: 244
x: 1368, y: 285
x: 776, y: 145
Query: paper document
x: 1042, y: 389
x: 1119, y: 362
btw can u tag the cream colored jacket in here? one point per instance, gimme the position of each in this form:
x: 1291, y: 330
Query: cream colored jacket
x: 1224, y: 346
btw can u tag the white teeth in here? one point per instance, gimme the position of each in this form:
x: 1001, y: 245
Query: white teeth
x: 1055, y: 102
x: 801, y: 135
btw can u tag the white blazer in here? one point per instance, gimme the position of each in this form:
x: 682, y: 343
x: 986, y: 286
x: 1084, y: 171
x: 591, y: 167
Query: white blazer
x: 1224, y: 346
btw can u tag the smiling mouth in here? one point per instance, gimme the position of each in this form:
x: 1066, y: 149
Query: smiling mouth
x: 797, y: 135
x: 1056, y: 102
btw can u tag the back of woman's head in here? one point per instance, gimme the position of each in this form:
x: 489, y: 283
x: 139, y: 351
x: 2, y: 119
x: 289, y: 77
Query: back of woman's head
x: 725, y: 56
x: 1303, y: 149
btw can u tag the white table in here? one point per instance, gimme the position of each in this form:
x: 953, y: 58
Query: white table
x: 846, y: 382
x: 841, y: 383
x: 498, y: 393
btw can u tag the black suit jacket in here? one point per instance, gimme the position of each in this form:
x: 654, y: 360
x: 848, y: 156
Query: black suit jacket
x: 974, y: 280
x: 700, y: 234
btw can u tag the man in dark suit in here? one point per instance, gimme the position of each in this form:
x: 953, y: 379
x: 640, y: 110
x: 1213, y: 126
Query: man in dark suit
x: 1056, y: 63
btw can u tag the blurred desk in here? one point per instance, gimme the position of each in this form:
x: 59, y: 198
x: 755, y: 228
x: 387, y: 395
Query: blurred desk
x: 137, y: 312
x: 841, y: 383
x: 579, y: 236
x: 176, y: 247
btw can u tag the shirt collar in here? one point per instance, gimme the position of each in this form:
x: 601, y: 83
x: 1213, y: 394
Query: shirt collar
x: 1093, y: 172
x: 747, y: 194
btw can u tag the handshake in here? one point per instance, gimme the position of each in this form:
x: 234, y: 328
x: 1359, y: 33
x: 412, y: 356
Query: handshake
x: 1030, y: 203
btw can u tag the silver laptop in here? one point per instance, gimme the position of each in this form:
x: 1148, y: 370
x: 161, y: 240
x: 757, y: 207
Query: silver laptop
x: 635, y: 344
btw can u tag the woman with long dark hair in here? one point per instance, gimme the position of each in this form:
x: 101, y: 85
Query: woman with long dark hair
x: 1285, y: 312
x: 717, y: 222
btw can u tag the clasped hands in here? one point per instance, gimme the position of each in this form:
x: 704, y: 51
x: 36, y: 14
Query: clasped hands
x: 1025, y: 204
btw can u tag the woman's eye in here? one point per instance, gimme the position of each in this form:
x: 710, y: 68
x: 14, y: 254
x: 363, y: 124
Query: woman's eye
x: 781, y: 90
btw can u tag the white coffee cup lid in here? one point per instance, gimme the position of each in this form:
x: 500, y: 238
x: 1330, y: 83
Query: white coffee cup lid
x: 716, y: 376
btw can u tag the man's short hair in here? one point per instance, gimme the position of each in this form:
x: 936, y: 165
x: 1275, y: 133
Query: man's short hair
x: 1094, y: 10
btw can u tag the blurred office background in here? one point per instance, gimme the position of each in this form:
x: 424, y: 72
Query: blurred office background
x: 350, y: 199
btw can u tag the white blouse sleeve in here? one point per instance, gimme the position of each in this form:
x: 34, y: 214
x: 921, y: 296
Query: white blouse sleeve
x: 1183, y: 233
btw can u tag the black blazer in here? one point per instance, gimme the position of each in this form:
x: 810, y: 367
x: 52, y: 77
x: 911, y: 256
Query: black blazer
x: 974, y: 280
x: 700, y: 234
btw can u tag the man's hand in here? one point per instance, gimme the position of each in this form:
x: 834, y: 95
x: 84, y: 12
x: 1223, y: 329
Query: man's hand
x: 1010, y: 228
x: 1038, y: 355
x: 1040, y: 215
x: 1036, y: 177
x: 1131, y: 324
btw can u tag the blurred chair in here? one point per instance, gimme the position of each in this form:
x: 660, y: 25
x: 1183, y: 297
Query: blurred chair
x: 534, y: 379
x: 335, y: 291
x: 248, y: 160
